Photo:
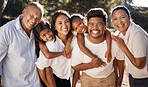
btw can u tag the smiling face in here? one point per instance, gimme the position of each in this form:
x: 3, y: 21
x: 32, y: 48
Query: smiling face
x: 31, y: 17
x: 120, y: 21
x: 62, y: 25
x: 46, y: 35
x: 96, y: 27
x: 78, y: 25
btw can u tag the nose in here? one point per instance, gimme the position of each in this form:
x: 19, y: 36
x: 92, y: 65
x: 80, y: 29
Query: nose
x: 33, y: 20
x: 95, y: 26
x: 119, y: 20
x: 64, y: 25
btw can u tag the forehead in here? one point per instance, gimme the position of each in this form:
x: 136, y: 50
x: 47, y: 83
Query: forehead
x: 76, y: 20
x: 44, y: 30
x: 119, y: 12
x: 33, y: 9
x: 95, y: 20
x: 62, y: 17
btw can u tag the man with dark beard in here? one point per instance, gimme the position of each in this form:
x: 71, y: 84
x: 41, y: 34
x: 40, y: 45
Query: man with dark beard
x: 96, y: 73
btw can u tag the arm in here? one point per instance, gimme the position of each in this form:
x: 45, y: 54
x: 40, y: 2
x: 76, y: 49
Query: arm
x: 42, y: 74
x: 93, y: 64
x: 75, y: 78
x: 47, y: 53
x: 137, y: 62
x: 67, y: 49
x: 49, y: 76
x: 82, y: 47
x: 109, y: 42
x: 120, y: 66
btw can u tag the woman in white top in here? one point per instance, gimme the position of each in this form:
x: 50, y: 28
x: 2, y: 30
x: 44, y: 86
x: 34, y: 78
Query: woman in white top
x: 60, y: 26
x: 133, y: 41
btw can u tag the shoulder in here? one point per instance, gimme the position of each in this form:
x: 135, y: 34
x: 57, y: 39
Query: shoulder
x: 8, y: 26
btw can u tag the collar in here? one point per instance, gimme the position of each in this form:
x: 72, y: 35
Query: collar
x: 18, y: 23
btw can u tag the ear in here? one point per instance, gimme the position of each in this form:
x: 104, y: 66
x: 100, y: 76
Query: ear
x: 24, y: 10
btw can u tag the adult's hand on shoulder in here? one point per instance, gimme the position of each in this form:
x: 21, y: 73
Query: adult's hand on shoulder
x: 119, y: 41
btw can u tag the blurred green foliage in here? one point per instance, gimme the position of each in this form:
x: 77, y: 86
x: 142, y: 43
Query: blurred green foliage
x: 15, y: 7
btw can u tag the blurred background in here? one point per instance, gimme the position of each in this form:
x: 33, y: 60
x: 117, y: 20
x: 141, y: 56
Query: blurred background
x: 10, y: 9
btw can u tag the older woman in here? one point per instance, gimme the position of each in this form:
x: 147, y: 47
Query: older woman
x: 133, y: 41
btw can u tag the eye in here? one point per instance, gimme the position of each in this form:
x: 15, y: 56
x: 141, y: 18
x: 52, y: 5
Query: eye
x: 59, y: 22
x: 79, y: 24
x: 90, y: 24
x: 67, y: 21
x: 76, y: 28
x: 114, y: 18
x: 123, y: 17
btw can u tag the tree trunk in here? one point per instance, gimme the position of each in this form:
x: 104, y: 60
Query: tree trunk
x: 3, y: 4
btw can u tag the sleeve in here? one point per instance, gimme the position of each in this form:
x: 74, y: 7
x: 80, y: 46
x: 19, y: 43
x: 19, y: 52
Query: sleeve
x: 3, y: 46
x: 139, y: 45
x: 42, y: 62
x: 119, y: 54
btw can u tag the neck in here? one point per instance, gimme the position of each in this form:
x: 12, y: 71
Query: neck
x: 96, y: 40
x: 63, y: 38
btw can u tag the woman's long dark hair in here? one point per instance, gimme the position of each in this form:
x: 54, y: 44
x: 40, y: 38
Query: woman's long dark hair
x: 54, y: 17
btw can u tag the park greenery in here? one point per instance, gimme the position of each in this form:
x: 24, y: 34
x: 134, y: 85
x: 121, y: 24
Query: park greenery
x: 10, y: 9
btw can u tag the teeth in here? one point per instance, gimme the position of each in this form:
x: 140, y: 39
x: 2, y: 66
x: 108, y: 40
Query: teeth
x: 83, y: 30
x: 65, y: 29
x: 50, y: 38
x: 120, y: 26
x: 95, y: 32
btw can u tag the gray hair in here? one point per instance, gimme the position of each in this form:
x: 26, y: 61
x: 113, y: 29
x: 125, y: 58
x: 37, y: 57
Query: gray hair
x: 37, y: 5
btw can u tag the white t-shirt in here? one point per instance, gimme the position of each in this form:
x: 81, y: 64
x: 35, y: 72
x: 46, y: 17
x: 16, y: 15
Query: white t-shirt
x: 136, y: 40
x: 79, y: 57
x: 61, y: 66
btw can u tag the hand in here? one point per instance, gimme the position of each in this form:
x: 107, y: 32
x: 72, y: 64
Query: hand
x: 97, y: 62
x: 119, y: 41
x: 108, y: 56
x: 67, y: 51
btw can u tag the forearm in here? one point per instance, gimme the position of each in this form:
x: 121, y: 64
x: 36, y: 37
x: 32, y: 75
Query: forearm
x: 82, y: 47
x: 75, y: 78
x: 83, y: 66
x: 120, y: 64
x: 52, y: 55
x: 47, y: 53
x: 42, y: 74
x: 108, y: 40
x: 69, y: 39
x: 137, y: 62
x: 50, y: 78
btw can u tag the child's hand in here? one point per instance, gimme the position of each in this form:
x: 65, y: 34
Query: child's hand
x: 67, y: 51
x: 108, y: 56
x: 97, y: 62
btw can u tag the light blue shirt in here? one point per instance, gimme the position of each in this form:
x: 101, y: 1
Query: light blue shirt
x: 17, y: 56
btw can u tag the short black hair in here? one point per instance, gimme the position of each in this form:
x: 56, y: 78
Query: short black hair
x: 97, y: 12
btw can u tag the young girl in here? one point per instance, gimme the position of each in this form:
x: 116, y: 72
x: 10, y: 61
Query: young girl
x: 43, y: 34
x: 60, y: 27
x: 78, y: 25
